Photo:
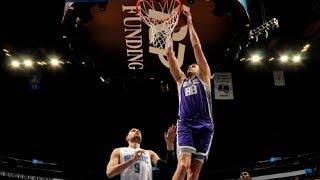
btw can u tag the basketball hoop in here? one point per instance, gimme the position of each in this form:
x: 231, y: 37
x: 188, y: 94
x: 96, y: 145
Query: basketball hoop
x: 161, y: 16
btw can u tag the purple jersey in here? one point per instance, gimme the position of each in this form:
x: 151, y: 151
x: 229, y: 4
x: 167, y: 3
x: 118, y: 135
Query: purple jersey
x: 194, y: 99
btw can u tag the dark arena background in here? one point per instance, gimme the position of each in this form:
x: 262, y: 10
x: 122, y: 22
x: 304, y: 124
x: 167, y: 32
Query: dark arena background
x: 74, y: 80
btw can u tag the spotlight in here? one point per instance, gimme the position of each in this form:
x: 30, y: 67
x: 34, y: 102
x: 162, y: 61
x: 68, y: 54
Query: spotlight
x: 271, y: 59
x: 54, y: 62
x: 284, y: 58
x: 296, y: 58
x: 305, y: 48
x: 27, y: 63
x: 256, y: 58
x: 15, y: 63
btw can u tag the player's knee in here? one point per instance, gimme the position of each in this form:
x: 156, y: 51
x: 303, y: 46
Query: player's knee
x: 193, y: 173
x: 184, y: 164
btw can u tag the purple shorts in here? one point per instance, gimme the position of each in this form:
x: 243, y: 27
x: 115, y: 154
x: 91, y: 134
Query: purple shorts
x: 194, y: 136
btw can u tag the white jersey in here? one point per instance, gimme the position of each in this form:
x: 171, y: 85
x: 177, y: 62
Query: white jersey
x: 140, y: 170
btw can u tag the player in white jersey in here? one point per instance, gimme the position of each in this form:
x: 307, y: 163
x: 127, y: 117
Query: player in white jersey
x: 141, y: 169
x: 135, y: 163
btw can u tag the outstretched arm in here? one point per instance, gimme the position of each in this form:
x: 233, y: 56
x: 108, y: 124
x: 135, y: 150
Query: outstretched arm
x: 175, y: 70
x: 114, y: 168
x: 170, y: 137
x: 204, y: 69
x: 167, y: 165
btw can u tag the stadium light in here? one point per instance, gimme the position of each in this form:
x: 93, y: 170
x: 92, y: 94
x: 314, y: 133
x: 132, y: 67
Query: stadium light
x: 28, y: 63
x: 284, y: 58
x: 54, y: 62
x: 305, y: 48
x: 256, y: 58
x: 15, y: 64
x: 296, y: 59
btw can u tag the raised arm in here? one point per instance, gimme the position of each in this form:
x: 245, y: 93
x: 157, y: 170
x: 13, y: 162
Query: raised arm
x: 204, y: 69
x: 175, y: 70
x: 114, y: 168
x: 169, y: 138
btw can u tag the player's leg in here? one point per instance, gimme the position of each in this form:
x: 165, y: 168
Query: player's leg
x: 184, y: 163
x: 203, y: 134
x: 195, y: 169
x: 185, y: 149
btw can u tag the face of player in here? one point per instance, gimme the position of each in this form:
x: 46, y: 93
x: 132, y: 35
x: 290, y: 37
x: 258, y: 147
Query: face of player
x: 192, y: 70
x: 134, y: 135
x: 245, y: 176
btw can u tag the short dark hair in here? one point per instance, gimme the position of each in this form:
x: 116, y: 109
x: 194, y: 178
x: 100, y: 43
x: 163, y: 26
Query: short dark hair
x: 246, y: 169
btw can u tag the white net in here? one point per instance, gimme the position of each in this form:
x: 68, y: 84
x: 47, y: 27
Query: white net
x: 162, y: 17
x: 67, y: 6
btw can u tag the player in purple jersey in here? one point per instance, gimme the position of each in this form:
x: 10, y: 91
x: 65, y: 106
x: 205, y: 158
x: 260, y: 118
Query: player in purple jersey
x: 195, y: 125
